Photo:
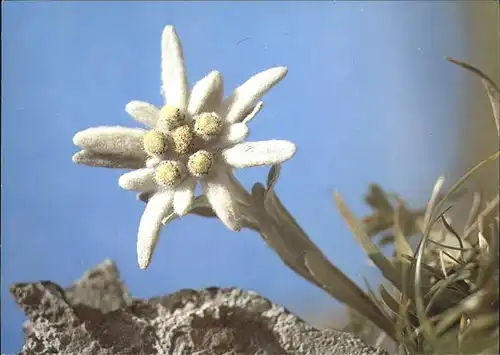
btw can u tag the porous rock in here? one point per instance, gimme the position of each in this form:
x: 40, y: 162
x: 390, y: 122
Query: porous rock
x: 97, y: 316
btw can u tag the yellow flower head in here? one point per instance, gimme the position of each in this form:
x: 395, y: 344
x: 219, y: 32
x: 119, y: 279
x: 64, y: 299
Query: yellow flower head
x: 168, y: 173
x: 183, y: 139
x: 200, y: 163
x: 154, y: 142
x: 208, y: 125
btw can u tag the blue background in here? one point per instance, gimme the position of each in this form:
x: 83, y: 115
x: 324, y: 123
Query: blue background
x: 368, y: 98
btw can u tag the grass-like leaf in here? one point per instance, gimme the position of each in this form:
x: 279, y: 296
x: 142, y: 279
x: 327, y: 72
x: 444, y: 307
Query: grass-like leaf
x: 419, y: 301
x: 343, y: 289
x: 490, y: 87
x: 389, y: 271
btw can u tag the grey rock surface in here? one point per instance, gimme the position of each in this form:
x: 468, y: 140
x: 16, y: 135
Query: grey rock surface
x: 97, y: 316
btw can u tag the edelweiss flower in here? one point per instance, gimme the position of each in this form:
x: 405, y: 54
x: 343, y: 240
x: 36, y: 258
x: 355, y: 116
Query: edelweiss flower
x: 195, y: 137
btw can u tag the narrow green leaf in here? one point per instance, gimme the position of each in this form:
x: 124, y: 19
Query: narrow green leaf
x: 386, y: 267
x: 490, y: 87
x: 401, y: 243
x: 419, y: 300
x: 339, y: 286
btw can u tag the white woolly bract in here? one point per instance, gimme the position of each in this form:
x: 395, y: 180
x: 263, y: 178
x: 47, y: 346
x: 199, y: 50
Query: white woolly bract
x: 234, y: 134
x: 111, y: 140
x: 206, y: 95
x: 184, y: 196
x: 116, y: 161
x: 173, y: 70
x: 143, y: 112
x: 245, y: 97
x: 217, y: 189
x: 249, y: 154
x: 150, y: 225
x: 141, y: 180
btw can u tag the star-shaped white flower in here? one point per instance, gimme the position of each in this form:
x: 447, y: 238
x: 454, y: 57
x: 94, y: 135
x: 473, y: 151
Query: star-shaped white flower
x: 195, y: 137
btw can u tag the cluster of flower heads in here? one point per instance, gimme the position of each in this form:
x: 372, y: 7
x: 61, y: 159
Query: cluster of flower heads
x: 197, y: 136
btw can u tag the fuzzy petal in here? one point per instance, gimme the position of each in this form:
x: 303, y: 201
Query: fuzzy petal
x: 89, y: 158
x: 217, y: 189
x: 206, y: 95
x: 140, y: 180
x: 234, y: 134
x: 250, y: 154
x: 143, y: 112
x: 112, y: 140
x: 173, y: 70
x: 245, y: 97
x: 150, y: 225
x: 184, y: 197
